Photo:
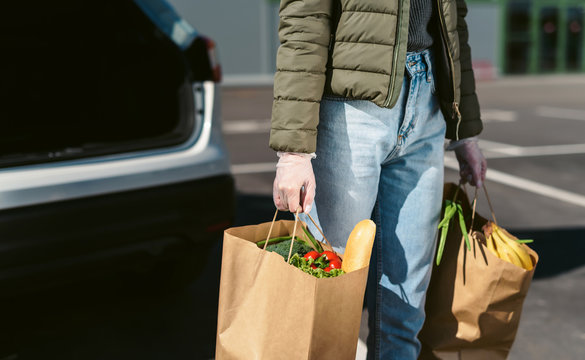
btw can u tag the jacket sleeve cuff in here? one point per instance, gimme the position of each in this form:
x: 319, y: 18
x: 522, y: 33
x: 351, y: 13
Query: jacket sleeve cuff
x: 294, y: 126
x: 305, y: 155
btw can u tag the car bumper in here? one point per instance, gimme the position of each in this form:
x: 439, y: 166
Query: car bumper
x: 49, y: 244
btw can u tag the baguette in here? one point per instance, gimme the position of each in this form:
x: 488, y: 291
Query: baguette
x: 359, y: 246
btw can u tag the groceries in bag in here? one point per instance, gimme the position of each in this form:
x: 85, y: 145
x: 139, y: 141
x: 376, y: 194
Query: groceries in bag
x: 506, y: 246
x: 262, y: 296
x: 359, y: 246
x: 323, y: 263
x: 475, y: 296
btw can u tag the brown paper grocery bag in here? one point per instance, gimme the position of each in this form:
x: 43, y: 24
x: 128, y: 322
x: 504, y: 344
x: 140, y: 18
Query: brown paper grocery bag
x: 271, y: 310
x: 474, y: 300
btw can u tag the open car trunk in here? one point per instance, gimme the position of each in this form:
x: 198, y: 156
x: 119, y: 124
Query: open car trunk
x: 88, y: 78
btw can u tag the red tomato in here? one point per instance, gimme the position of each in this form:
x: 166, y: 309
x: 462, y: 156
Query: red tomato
x: 335, y: 264
x: 330, y: 255
x: 312, y: 255
x: 327, y: 269
x: 313, y: 266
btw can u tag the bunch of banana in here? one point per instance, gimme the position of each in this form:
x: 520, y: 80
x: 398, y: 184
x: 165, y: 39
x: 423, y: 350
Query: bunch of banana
x: 506, y: 246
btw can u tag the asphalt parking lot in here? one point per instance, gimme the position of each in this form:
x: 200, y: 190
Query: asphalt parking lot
x: 534, y: 140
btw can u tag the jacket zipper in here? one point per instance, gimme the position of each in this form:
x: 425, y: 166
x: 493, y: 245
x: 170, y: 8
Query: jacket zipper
x: 456, y: 112
x: 331, y: 39
x: 395, y: 57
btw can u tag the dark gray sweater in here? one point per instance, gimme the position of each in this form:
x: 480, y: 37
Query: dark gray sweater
x: 420, y: 31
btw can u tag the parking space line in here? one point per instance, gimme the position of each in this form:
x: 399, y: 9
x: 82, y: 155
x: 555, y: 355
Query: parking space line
x: 495, y: 146
x: 362, y: 350
x: 525, y: 184
x: 254, y: 126
x: 560, y: 113
x: 496, y: 115
x: 451, y: 163
x: 496, y: 150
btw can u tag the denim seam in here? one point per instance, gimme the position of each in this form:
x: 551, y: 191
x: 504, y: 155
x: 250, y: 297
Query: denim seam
x: 430, y: 76
x: 392, y: 155
x: 409, y: 119
x: 413, y: 119
x: 410, y: 111
x: 378, y: 342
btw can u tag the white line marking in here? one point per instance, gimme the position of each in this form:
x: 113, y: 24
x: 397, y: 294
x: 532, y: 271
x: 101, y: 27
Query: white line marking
x: 490, y: 115
x: 494, y: 146
x: 547, y: 150
x: 253, y: 168
x: 246, y: 126
x: 560, y: 113
x: 526, y: 185
x: 361, y: 351
x: 496, y: 150
x: 451, y: 163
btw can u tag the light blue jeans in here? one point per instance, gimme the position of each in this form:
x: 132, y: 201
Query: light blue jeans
x: 386, y: 164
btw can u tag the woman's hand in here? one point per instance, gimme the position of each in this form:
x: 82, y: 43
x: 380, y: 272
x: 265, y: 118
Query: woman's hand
x: 294, y: 184
x: 472, y: 163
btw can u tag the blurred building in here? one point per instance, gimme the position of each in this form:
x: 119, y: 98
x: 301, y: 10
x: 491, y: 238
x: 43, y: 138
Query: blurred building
x: 527, y: 36
x: 245, y: 32
x: 506, y: 36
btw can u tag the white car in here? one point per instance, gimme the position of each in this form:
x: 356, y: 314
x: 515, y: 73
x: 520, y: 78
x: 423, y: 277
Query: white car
x: 111, y: 152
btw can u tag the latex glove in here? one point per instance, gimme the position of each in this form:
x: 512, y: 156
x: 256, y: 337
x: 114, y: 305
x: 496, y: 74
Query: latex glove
x: 472, y: 163
x: 294, y: 184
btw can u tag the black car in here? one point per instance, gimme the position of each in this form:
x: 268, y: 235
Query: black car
x: 111, y: 152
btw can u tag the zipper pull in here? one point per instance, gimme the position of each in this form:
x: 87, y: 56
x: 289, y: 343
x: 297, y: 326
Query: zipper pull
x: 456, y: 113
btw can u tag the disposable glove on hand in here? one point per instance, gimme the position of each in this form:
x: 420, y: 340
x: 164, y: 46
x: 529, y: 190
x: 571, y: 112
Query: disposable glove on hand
x: 294, y: 184
x: 472, y: 163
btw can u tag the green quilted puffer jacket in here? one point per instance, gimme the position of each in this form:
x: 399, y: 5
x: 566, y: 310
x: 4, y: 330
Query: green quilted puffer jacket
x: 357, y: 49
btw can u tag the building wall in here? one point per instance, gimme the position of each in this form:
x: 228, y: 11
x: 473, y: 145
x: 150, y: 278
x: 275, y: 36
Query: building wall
x: 483, y: 22
x: 247, y: 38
x: 246, y: 34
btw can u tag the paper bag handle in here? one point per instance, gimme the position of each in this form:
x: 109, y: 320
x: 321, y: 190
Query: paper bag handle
x: 320, y: 231
x: 294, y: 232
x: 490, y: 204
x: 474, y: 207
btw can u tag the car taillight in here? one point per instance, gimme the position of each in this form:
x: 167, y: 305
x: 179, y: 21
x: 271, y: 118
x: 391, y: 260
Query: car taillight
x: 213, y: 59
